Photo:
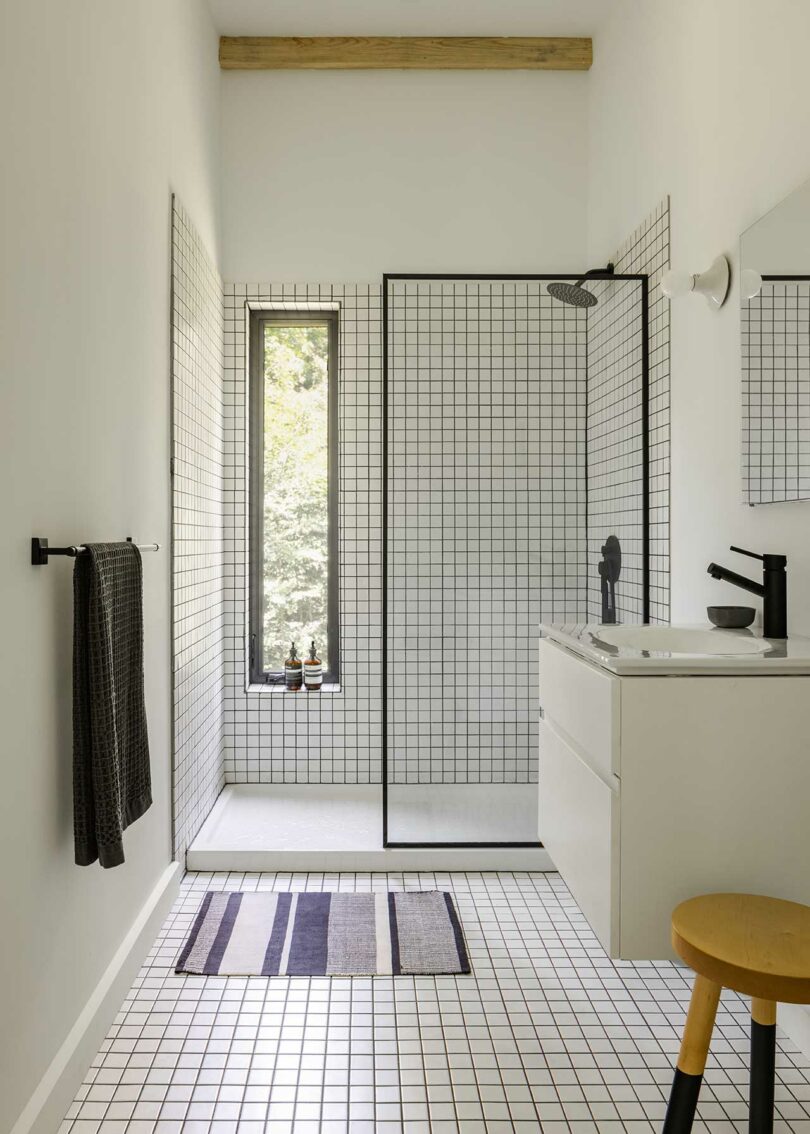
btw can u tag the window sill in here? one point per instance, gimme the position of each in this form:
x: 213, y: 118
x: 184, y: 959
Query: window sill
x: 264, y: 689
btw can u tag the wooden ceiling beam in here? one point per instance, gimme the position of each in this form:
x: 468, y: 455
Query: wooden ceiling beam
x: 429, y: 53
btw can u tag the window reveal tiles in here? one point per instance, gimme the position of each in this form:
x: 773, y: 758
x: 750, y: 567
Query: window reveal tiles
x: 318, y: 738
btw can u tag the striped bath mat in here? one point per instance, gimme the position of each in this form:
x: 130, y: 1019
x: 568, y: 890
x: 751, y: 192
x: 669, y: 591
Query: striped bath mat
x: 270, y: 934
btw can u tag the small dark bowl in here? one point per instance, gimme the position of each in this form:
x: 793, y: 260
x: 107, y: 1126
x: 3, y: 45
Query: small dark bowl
x: 731, y: 617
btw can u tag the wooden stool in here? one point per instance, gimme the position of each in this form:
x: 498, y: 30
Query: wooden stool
x: 759, y: 947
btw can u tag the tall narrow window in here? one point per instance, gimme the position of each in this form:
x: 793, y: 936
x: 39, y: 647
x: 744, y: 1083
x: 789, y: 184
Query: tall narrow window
x: 294, y: 490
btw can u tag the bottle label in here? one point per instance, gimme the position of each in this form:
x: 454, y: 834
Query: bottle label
x: 313, y: 674
x: 292, y: 676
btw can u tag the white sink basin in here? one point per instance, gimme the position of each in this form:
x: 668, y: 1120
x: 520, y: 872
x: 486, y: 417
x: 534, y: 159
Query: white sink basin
x: 648, y: 650
x: 681, y: 641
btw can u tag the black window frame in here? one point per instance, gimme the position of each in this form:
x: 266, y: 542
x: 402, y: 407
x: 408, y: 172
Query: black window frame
x: 258, y: 675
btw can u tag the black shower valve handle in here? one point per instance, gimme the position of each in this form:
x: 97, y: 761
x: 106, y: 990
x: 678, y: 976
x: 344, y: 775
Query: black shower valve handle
x: 750, y: 554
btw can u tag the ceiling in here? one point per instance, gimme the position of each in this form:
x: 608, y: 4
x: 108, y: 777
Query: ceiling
x: 408, y: 17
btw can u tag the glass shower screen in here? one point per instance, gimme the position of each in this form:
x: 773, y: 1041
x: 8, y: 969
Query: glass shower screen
x: 485, y: 535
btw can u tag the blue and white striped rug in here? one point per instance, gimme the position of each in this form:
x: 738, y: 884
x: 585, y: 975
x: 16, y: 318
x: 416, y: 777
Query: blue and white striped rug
x: 309, y: 934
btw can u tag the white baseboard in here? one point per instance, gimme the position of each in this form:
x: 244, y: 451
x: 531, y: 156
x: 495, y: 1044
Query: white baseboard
x: 794, y: 1020
x: 47, y: 1106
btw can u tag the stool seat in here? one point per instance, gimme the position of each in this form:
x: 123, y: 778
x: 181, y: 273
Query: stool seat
x: 756, y: 945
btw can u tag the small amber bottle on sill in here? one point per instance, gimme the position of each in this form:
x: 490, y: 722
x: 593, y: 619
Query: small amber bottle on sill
x: 293, y: 671
x: 313, y: 672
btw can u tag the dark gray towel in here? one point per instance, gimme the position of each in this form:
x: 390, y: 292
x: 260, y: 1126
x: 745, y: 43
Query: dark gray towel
x: 111, y: 782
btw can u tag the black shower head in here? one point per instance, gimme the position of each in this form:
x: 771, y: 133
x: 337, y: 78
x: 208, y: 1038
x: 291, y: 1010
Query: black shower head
x: 572, y: 294
x: 575, y: 295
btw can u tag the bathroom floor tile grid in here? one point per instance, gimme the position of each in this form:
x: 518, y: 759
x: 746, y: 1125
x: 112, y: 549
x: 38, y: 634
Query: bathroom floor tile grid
x: 547, y: 1034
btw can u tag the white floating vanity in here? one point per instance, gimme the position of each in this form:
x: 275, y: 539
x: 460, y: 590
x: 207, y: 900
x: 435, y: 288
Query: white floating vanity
x: 666, y: 773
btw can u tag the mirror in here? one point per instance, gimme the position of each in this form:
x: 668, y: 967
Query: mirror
x: 775, y: 352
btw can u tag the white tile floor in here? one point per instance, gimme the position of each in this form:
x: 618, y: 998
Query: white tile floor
x: 546, y: 1034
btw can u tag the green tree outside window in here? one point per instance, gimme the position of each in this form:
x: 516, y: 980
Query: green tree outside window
x: 296, y: 485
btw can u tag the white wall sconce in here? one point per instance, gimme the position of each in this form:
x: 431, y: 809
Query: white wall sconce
x: 713, y: 283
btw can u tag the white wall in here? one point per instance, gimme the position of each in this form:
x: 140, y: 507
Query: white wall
x: 341, y: 176
x: 104, y: 108
x: 705, y: 100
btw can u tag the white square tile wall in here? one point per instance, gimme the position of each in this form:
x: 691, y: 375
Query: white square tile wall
x: 776, y: 392
x: 545, y: 1036
x: 616, y: 443
x: 486, y: 519
x: 330, y: 737
x: 518, y: 519
x: 614, y: 424
x: 198, y: 530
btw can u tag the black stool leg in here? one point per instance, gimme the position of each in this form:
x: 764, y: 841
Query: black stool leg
x: 763, y: 1066
x: 697, y: 1035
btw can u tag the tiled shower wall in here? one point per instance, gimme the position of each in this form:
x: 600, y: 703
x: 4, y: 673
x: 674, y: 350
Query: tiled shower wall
x: 616, y: 443
x: 614, y: 424
x: 486, y: 519
x: 197, y: 530
x: 336, y: 736
x: 330, y: 737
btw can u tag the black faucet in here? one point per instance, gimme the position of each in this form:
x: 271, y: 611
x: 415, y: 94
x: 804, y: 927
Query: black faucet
x: 772, y: 590
x: 609, y: 570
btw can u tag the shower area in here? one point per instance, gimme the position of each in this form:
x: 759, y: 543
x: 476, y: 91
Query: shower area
x: 494, y: 459
x: 515, y: 467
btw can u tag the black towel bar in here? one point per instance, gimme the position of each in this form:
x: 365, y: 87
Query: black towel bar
x: 40, y: 552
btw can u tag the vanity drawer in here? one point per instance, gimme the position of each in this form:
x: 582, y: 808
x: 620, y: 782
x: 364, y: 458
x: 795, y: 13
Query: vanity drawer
x: 579, y: 827
x: 583, y: 703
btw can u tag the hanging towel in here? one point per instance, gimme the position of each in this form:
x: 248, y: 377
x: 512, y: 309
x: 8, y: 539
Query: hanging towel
x: 111, y: 781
